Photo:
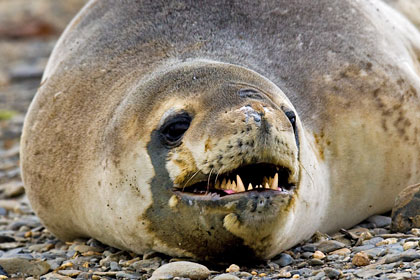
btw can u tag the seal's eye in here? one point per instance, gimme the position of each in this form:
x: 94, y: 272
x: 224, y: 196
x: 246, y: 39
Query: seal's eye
x: 292, y: 118
x: 174, y: 128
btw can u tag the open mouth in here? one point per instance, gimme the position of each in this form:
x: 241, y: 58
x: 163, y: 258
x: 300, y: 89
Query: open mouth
x: 255, y: 177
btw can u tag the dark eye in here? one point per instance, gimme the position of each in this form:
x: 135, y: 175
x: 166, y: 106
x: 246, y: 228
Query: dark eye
x: 174, y: 128
x: 292, y: 118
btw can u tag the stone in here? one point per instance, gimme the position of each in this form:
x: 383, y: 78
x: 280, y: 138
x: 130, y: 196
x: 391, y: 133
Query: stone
x: 374, y: 252
x: 360, y: 259
x: 232, y: 268
x: 410, y: 245
x: 406, y: 256
x: 315, y: 262
x: 329, y: 246
x: 379, y: 220
x: 29, y: 221
x: 372, y: 241
x: 332, y: 273
x: 70, y: 272
x: 318, y: 255
x: 183, y: 269
x: 147, y: 265
x: 12, y: 189
x: 341, y: 252
x: 406, y: 211
x: 55, y: 276
x: 126, y: 275
x: 309, y: 248
x: 226, y: 276
x: 368, y: 273
x: 284, y: 259
x: 81, y: 248
x: 363, y: 248
x: 25, y: 266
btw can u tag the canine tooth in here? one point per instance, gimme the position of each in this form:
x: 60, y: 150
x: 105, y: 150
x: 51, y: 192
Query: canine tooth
x: 240, y: 184
x: 250, y: 186
x: 266, y: 186
x: 275, y: 183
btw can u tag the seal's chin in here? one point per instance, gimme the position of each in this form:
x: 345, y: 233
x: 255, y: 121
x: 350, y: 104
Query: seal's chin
x: 261, y: 177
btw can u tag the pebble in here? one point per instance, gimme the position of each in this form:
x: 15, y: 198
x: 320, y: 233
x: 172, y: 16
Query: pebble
x: 332, y: 273
x: 318, y: 255
x: 329, y: 246
x: 380, y: 221
x: 182, y: 269
x: 226, y: 276
x: 25, y: 266
x: 410, y: 245
x: 341, y: 252
x: 361, y: 259
x: 233, y: 268
x: 406, y: 209
x: 284, y: 259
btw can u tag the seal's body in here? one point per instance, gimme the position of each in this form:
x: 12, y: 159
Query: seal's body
x: 212, y: 129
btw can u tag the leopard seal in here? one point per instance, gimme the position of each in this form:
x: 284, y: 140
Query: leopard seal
x: 223, y: 131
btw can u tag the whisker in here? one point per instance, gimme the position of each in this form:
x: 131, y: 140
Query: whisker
x: 208, y: 181
x: 183, y: 187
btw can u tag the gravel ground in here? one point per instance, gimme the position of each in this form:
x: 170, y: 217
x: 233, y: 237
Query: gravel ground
x: 27, y: 249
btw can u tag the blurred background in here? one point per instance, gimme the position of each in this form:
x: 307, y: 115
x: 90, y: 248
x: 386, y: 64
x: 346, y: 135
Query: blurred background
x: 29, y: 30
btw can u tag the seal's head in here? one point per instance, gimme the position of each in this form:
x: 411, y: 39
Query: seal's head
x: 225, y: 158
x: 200, y: 159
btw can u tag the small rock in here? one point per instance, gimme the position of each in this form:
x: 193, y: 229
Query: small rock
x: 387, y: 241
x: 329, y: 246
x: 368, y: 273
x: 12, y: 189
x: 406, y: 211
x: 233, y: 268
x: 362, y: 248
x: 114, y: 266
x: 410, y: 245
x: 406, y: 256
x: 365, y: 236
x: 372, y: 241
x: 81, y: 248
x: 315, y: 262
x: 361, y: 259
x: 415, y: 231
x: 182, y: 269
x: 374, y: 252
x: 309, y: 248
x: 341, y: 252
x: 307, y: 255
x: 10, y: 205
x: 70, y: 272
x: 55, y: 276
x: 28, y: 221
x: 332, y: 273
x: 318, y: 255
x: 380, y: 221
x: 147, y: 265
x: 125, y: 275
x: 226, y: 276
x: 25, y: 266
x: 285, y: 259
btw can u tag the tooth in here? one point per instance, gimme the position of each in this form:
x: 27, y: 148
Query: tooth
x: 233, y: 186
x: 275, y: 183
x: 223, y: 186
x: 240, y: 184
x: 217, y: 186
x: 266, y: 186
x: 228, y: 185
x: 250, y: 187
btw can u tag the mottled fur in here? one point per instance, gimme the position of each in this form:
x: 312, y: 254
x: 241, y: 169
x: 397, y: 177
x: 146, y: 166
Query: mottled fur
x: 91, y: 159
